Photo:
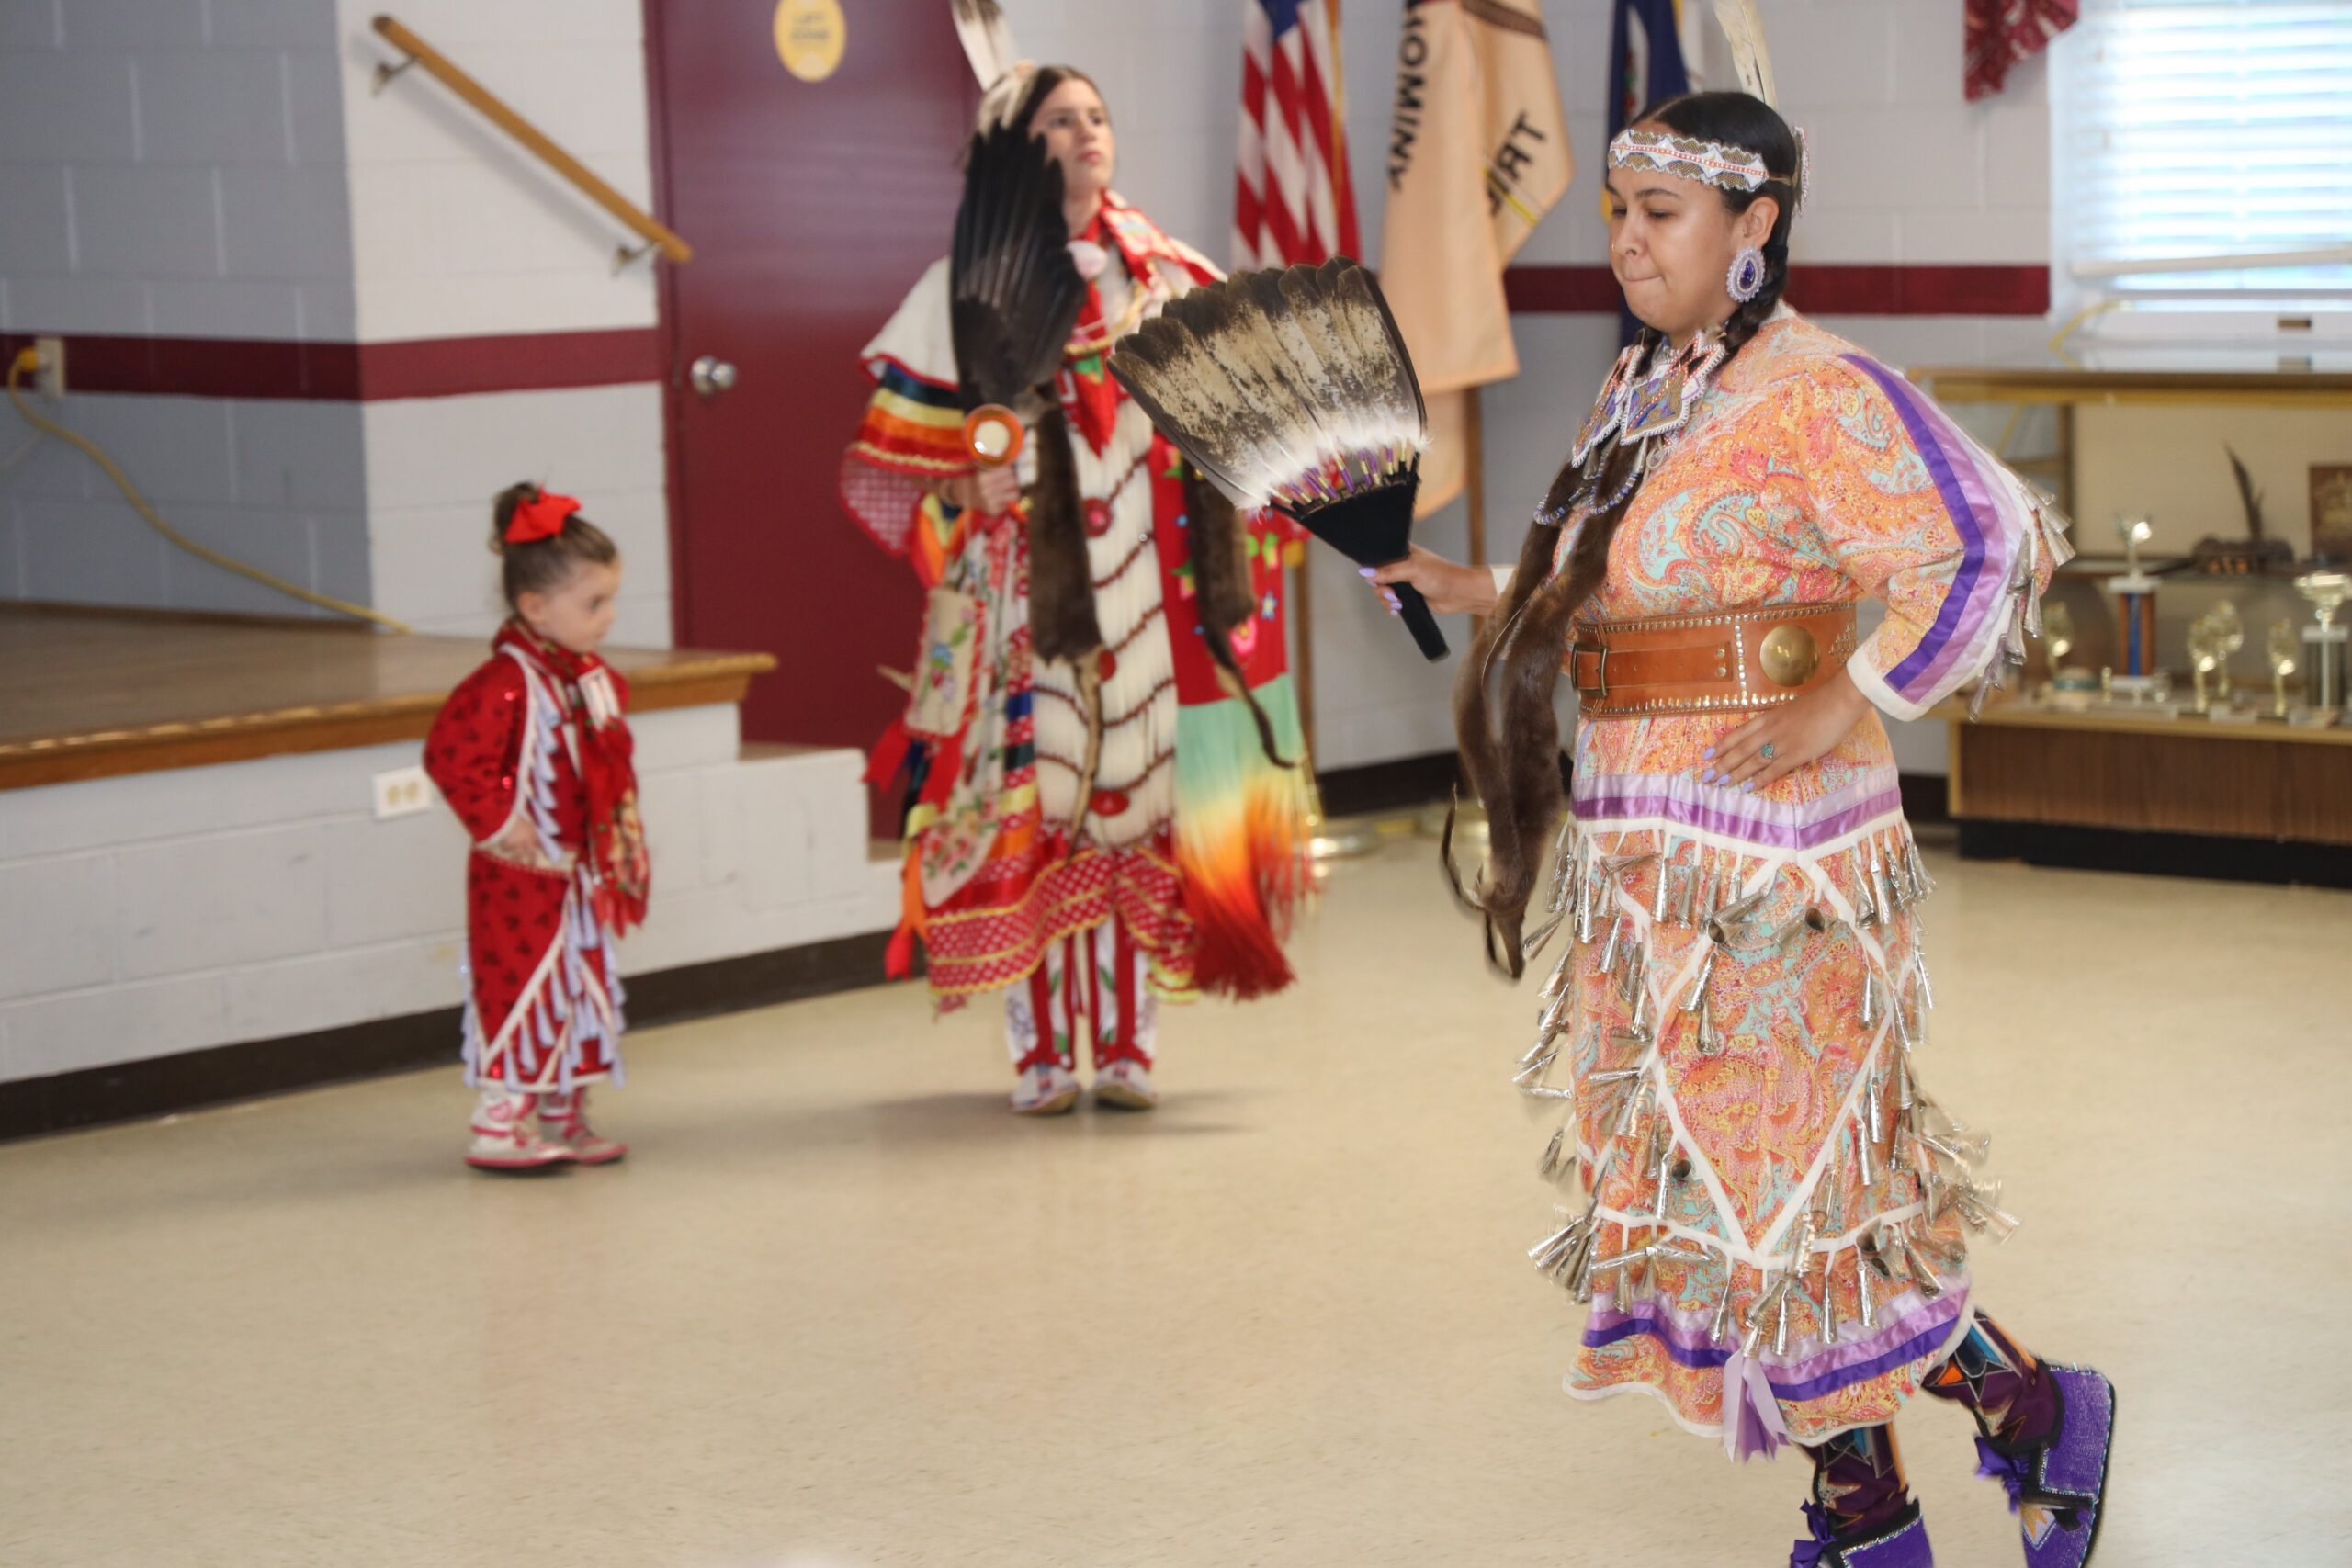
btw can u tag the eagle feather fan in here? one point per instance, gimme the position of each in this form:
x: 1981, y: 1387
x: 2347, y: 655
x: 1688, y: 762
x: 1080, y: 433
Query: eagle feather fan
x: 1293, y: 388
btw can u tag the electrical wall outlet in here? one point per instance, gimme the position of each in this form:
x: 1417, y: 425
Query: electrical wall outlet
x: 49, y: 379
x: 403, y: 792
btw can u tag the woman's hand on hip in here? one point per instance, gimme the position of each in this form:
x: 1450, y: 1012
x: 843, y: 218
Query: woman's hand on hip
x: 1451, y: 589
x: 1779, y: 740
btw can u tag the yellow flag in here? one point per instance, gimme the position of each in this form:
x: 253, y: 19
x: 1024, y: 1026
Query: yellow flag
x: 1477, y: 153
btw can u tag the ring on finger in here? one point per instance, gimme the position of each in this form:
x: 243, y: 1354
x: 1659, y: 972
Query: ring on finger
x: 1765, y: 753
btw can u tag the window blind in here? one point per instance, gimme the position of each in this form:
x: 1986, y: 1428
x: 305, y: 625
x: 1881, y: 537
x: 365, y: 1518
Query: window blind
x: 2198, y: 131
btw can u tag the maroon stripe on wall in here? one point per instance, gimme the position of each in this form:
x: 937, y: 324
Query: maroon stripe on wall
x: 531, y: 362
x: 354, y: 372
x: 205, y: 367
x: 1560, y: 290
x: 1824, y: 290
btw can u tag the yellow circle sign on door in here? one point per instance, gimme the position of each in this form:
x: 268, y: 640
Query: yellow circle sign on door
x: 810, y: 36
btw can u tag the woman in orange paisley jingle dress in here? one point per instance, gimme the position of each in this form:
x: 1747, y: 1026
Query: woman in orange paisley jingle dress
x: 1775, y: 1211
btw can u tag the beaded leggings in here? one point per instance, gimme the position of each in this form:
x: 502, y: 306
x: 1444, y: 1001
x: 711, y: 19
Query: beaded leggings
x: 1098, y: 976
x: 1858, y: 1475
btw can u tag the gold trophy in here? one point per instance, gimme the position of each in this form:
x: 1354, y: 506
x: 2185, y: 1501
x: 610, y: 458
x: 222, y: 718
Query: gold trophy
x: 2204, y: 658
x: 2057, y: 633
x: 2324, y: 671
x: 2070, y: 685
x: 2229, y: 636
x: 2281, y: 647
x: 2135, y: 673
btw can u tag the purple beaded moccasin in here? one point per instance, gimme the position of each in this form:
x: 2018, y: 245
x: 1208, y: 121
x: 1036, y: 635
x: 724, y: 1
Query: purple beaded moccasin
x: 2055, y: 1487
x: 1900, y: 1544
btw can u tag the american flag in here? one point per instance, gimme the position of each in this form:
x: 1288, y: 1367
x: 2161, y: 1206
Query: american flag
x: 1292, y: 200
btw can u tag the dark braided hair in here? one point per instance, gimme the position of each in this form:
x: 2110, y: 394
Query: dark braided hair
x: 1515, y: 665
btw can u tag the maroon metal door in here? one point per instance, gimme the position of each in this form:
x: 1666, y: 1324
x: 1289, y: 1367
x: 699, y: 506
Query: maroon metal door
x: 812, y: 208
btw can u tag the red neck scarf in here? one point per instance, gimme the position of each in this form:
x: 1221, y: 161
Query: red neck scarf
x: 1090, y: 397
x: 608, y: 771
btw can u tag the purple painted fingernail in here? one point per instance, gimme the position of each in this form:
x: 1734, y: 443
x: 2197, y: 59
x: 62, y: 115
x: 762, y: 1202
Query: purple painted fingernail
x: 1706, y: 776
x: 1708, y: 753
x: 1367, y: 572
x: 1749, y: 786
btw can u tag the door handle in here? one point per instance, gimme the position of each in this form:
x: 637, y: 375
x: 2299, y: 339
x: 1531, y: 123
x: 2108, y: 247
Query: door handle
x: 711, y: 376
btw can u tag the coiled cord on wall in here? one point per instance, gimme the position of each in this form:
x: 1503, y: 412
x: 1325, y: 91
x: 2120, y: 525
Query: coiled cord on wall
x: 28, y: 361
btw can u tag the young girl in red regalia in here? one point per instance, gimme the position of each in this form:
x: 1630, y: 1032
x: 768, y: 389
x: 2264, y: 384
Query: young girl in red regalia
x: 532, y: 753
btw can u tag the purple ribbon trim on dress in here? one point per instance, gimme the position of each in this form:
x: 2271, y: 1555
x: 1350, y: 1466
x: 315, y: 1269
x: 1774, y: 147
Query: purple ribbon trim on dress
x: 1687, y: 1332
x: 1923, y: 1333
x: 1972, y: 592
x: 1985, y: 604
x: 1752, y: 1421
x: 1599, y: 810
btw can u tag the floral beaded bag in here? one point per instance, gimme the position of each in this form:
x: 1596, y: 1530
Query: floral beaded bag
x: 940, y: 698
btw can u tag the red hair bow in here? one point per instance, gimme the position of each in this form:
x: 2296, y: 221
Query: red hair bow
x: 541, y: 517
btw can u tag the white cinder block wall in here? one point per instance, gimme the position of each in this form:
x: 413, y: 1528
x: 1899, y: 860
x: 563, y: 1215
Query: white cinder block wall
x: 202, y: 907
x: 178, y: 171
x: 436, y: 462
x: 458, y: 233
x: 274, y: 482
x: 173, y: 169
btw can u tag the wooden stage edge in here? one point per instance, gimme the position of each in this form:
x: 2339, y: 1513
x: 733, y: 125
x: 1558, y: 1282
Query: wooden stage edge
x: 95, y: 694
x: 2137, y: 852
x: 229, y: 1074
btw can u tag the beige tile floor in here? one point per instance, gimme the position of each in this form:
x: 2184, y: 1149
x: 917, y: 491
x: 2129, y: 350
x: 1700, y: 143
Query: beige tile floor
x: 840, y: 1310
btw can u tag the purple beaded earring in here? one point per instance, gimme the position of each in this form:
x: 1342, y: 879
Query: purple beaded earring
x: 1745, y: 281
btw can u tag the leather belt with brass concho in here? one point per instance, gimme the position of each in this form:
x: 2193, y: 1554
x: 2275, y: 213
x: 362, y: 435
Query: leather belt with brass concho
x: 1717, y: 661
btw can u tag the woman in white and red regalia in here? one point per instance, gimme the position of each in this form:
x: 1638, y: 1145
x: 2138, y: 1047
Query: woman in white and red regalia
x: 532, y: 753
x: 1171, y: 868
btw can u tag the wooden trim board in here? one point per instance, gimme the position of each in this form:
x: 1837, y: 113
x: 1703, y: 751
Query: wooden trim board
x: 2208, y: 857
x: 225, y: 1074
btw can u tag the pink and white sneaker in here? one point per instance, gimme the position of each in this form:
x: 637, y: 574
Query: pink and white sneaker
x: 1126, y: 1084
x: 1047, y: 1091
x: 563, y: 1121
x: 504, y: 1140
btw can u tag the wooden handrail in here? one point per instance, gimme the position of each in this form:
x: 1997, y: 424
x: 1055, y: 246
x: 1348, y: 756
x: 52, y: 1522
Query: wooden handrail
x: 640, y: 222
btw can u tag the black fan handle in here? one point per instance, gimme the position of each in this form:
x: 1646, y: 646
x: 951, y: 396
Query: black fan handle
x: 1419, y: 621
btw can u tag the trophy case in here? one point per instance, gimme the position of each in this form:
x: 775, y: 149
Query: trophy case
x: 2184, y: 712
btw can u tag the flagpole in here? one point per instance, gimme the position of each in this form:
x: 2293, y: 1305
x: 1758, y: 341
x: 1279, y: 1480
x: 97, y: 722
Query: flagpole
x: 1301, y: 599
x: 1469, y: 813
x: 1473, y: 472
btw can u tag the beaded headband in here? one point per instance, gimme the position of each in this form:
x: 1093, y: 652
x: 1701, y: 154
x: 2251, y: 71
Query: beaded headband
x: 1724, y: 167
